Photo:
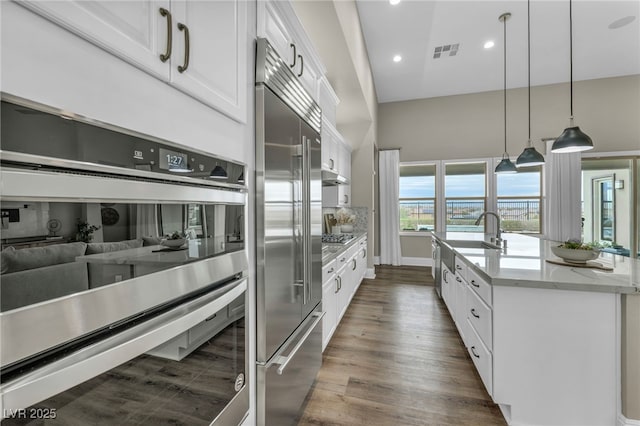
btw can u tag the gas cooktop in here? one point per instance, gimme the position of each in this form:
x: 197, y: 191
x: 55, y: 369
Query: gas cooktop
x: 337, y: 238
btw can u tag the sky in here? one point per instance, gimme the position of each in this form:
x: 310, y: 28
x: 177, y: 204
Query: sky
x: 519, y: 184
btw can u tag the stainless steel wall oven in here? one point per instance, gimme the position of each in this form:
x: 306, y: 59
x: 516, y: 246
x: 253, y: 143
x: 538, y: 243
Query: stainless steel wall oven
x: 123, y: 280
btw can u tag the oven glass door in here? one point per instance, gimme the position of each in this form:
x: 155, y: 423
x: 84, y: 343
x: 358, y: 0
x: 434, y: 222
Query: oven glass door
x: 55, y: 249
x: 187, y: 366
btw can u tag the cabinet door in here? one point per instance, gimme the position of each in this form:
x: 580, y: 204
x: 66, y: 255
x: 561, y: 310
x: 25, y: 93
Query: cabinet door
x: 344, y: 275
x: 344, y: 161
x: 275, y: 31
x: 209, y: 60
x: 329, y: 150
x: 344, y: 195
x: 305, y: 71
x: 136, y: 31
x: 329, y: 304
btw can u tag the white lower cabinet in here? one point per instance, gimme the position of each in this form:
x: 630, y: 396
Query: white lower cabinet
x: 545, y: 356
x: 341, y: 278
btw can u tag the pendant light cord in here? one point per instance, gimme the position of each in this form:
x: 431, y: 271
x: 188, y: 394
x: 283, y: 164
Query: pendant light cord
x: 505, y: 84
x: 529, y: 65
x: 571, y: 56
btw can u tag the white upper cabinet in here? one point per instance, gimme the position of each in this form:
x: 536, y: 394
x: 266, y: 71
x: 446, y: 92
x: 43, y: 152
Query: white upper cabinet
x: 328, y: 100
x: 329, y: 147
x: 208, y: 60
x: 278, y: 23
x: 344, y: 160
x: 197, y: 46
x: 133, y: 30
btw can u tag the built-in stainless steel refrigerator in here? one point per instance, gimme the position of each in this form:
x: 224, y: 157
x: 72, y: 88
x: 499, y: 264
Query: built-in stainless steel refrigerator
x: 288, y: 240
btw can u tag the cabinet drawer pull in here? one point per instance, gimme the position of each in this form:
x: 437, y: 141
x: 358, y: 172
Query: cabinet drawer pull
x: 473, y: 351
x: 164, y: 57
x: 458, y: 267
x: 473, y: 283
x: 364, y: 253
x: 301, y: 65
x: 337, y: 285
x: 211, y: 317
x: 182, y: 27
x: 343, y: 259
x: 458, y: 279
x: 473, y: 312
x: 355, y: 264
x: 330, y: 271
x: 295, y: 55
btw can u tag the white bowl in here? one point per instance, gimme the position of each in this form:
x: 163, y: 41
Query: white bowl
x: 178, y: 242
x: 575, y: 255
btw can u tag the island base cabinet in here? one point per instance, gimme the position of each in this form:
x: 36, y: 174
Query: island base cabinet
x: 556, y: 356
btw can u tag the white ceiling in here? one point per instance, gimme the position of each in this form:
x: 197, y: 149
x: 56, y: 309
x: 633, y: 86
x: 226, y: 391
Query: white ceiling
x: 413, y: 28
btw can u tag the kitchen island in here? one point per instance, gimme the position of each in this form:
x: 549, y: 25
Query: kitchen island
x: 545, y: 338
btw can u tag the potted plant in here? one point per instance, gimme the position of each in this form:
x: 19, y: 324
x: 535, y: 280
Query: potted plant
x: 85, y: 231
x: 345, y: 220
x: 575, y: 251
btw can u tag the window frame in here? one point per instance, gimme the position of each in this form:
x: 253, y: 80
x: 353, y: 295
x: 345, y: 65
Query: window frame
x: 539, y: 197
x: 416, y: 232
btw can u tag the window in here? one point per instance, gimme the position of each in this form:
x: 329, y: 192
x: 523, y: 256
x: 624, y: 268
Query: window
x: 465, y: 196
x: 417, y: 197
x: 518, y: 199
x: 608, y: 203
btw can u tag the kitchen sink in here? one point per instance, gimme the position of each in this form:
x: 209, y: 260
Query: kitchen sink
x: 473, y: 244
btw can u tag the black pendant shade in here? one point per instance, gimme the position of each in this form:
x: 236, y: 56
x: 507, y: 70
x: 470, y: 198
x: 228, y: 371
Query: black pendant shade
x: 506, y: 166
x: 218, y: 172
x: 529, y: 157
x: 572, y: 140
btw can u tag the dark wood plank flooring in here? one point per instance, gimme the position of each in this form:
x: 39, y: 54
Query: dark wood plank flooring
x: 397, y: 359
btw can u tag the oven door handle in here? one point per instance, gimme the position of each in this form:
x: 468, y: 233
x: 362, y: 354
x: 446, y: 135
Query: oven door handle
x: 106, y: 354
x: 284, y: 360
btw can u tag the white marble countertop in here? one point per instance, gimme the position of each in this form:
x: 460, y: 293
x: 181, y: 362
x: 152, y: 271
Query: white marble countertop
x: 334, y: 250
x: 523, y: 264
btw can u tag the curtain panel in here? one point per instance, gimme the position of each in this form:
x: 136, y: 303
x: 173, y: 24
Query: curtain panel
x: 563, y: 212
x: 389, y: 184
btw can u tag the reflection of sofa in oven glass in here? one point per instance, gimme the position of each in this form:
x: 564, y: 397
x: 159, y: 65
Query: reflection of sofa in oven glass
x: 33, y: 275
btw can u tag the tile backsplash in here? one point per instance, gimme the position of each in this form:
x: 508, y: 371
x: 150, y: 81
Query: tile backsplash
x: 361, y: 217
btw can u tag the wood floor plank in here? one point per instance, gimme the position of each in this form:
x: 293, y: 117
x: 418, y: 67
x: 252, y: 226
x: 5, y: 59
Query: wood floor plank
x: 397, y: 359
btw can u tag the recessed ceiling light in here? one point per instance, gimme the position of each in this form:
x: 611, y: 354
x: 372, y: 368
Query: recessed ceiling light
x: 397, y: 58
x: 489, y: 44
x: 621, y: 22
x: 394, y: 2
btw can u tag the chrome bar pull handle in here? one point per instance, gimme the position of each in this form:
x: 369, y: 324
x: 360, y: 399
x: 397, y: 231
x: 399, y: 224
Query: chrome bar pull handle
x: 164, y: 57
x: 301, y: 65
x: 473, y: 312
x: 283, y: 361
x: 473, y: 283
x: 295, y: 55
x: 473, y: 351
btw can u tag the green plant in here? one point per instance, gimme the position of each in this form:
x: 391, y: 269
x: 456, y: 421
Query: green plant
x: 175, y: 236
x: 85, y: 231
x: 579, y: 245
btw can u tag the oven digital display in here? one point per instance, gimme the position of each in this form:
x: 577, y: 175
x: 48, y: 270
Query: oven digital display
x: 173, y: 161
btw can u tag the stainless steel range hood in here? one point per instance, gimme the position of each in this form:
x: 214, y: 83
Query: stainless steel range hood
x: 331, y: 178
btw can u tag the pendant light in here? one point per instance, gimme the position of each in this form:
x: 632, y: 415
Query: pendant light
x: 572, y: 139
x: 505, y: 166
x: 529, y: 157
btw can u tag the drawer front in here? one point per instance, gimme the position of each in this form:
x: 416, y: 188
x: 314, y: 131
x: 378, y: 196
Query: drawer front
x: 342, y: 260
x: 482, y: 359
x: 479, y: 315
x: 461, y: 268
x: 329, y: 270
x: 479, y: 285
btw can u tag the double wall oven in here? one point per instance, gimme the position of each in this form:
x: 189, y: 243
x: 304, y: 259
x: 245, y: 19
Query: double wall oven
x: 124, y: 275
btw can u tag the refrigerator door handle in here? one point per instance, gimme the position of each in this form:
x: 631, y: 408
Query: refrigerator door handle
x: 284, y: 360
x: 306, y: 240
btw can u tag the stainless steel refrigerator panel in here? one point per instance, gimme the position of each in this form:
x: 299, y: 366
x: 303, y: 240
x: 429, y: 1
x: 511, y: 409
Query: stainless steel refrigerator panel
x: 314, y: 190
x: 289, y: 377
x: 280, y: 225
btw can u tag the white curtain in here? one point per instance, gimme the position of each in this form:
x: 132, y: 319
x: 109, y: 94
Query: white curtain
x: 389, y: 182
x: 563, y: 216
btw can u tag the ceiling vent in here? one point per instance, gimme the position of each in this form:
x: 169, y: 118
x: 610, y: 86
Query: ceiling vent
x: 446, y: 50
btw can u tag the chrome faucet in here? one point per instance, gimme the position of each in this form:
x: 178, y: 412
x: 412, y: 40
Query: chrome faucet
x: 499, y: 231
